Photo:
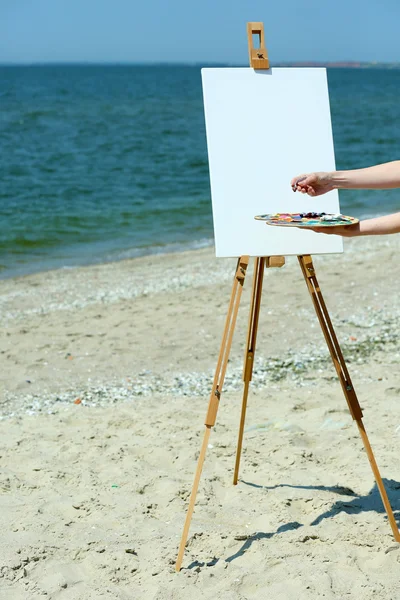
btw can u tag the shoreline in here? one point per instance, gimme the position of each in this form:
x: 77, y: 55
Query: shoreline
x: 61, y: 325
x: 196, y: 246
x: 50, y: 264
x: 116, y: 256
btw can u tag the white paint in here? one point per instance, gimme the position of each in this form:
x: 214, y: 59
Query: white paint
x: 263, y: 128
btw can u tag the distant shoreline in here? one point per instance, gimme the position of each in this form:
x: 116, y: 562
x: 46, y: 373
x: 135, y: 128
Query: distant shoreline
x: 326, y: 64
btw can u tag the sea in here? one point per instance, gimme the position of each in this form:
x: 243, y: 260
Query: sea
x: 103, y: 163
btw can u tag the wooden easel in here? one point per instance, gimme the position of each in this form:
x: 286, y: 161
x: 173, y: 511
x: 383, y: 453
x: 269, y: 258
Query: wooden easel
x: 259, y: 60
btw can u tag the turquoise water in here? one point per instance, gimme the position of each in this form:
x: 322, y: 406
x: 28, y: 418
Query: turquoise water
x: 103, y: 163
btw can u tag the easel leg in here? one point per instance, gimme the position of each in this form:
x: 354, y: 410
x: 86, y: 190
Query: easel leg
x: 308, y: 271
x: 216, y: 391
x: 258, y: 276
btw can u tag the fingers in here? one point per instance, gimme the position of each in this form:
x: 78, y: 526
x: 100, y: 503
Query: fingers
x: 308, y: 189
x: 303, y: 184
x: 300, y: 187
x: 305, y: 189
x: 344, y: 231
x: 327, y: 230
x: 296, y: 181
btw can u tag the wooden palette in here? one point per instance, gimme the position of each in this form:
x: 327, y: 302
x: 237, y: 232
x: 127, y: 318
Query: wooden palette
x: 307, y: 220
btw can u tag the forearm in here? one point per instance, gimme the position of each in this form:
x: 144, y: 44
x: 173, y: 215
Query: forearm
x: 383, y: 176
x: 380, y: 225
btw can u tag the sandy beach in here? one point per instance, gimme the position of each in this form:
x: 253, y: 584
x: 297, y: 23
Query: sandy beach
x: 106, y: 372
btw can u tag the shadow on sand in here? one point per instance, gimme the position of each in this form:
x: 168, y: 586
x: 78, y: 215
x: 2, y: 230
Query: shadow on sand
x: 249, y: 540
x: 370, y: 502
x: 353, y: 504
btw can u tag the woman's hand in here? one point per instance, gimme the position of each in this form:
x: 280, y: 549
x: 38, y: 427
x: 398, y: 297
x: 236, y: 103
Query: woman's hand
x: 313, y: 184
x: 385, y: 176
x: 385, y: 225
x: 344, y: 230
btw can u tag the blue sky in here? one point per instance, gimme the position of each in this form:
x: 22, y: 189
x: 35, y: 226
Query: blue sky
x: 196, y: 30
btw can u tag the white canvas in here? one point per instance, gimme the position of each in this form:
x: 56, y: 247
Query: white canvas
x: 263, y: 128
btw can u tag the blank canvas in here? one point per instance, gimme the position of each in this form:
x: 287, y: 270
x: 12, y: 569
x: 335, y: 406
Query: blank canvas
x: 263, y: 128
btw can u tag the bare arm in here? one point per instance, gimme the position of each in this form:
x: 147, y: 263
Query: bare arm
x: 383, y: 176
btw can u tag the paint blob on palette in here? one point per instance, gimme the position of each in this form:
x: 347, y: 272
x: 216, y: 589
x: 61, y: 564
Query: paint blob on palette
x: 310, y: 219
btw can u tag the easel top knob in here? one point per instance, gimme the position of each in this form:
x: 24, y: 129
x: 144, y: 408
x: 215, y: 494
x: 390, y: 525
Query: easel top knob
x: 258, y: 56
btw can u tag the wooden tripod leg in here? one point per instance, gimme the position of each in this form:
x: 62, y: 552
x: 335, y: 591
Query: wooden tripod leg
x: 250, y: 351
x: 216, y: 390
x: 308, y: 271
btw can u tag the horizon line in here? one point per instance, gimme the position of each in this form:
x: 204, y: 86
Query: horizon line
x: 338, y: 63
